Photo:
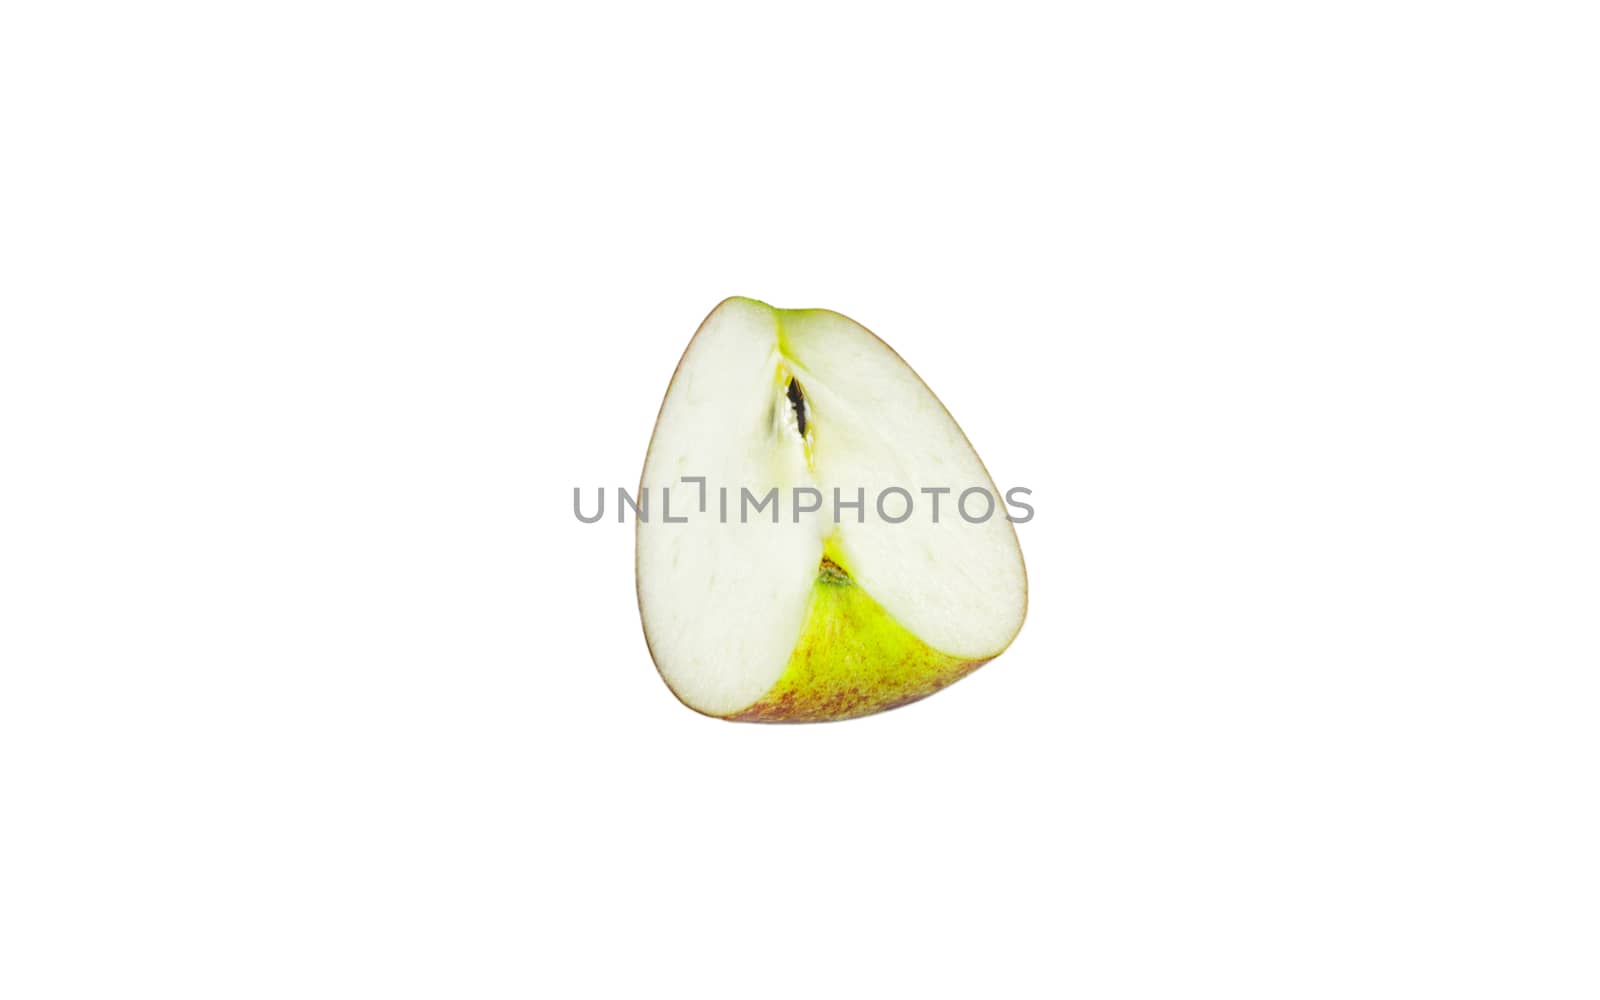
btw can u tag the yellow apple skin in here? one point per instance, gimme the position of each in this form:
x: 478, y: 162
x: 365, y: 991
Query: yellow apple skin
x: 852, y: 659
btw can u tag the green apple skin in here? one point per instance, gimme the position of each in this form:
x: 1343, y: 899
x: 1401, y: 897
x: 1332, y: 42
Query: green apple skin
x: 852, y: 659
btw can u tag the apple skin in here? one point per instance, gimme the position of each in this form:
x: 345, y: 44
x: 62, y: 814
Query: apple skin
x: 853, y: 659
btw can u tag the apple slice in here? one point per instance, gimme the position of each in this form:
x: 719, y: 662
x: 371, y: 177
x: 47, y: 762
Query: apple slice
x: 802, y: 606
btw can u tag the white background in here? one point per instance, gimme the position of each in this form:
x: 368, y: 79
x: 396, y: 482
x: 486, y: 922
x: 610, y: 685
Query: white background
x: 313, y: 315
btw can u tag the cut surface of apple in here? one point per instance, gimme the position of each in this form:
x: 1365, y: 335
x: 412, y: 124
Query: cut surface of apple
x: 808, y: 607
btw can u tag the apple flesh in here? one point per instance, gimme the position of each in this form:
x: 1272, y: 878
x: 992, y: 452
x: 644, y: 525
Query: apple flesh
x: 831, y: 613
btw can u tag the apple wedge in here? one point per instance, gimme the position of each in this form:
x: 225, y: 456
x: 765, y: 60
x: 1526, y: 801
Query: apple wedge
x: 869, y: 578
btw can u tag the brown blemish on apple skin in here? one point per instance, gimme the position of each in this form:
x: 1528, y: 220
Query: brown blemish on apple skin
x: 790, y: 707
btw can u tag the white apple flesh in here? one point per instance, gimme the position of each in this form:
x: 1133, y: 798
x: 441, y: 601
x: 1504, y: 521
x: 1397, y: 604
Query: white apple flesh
x: 815, y: 617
